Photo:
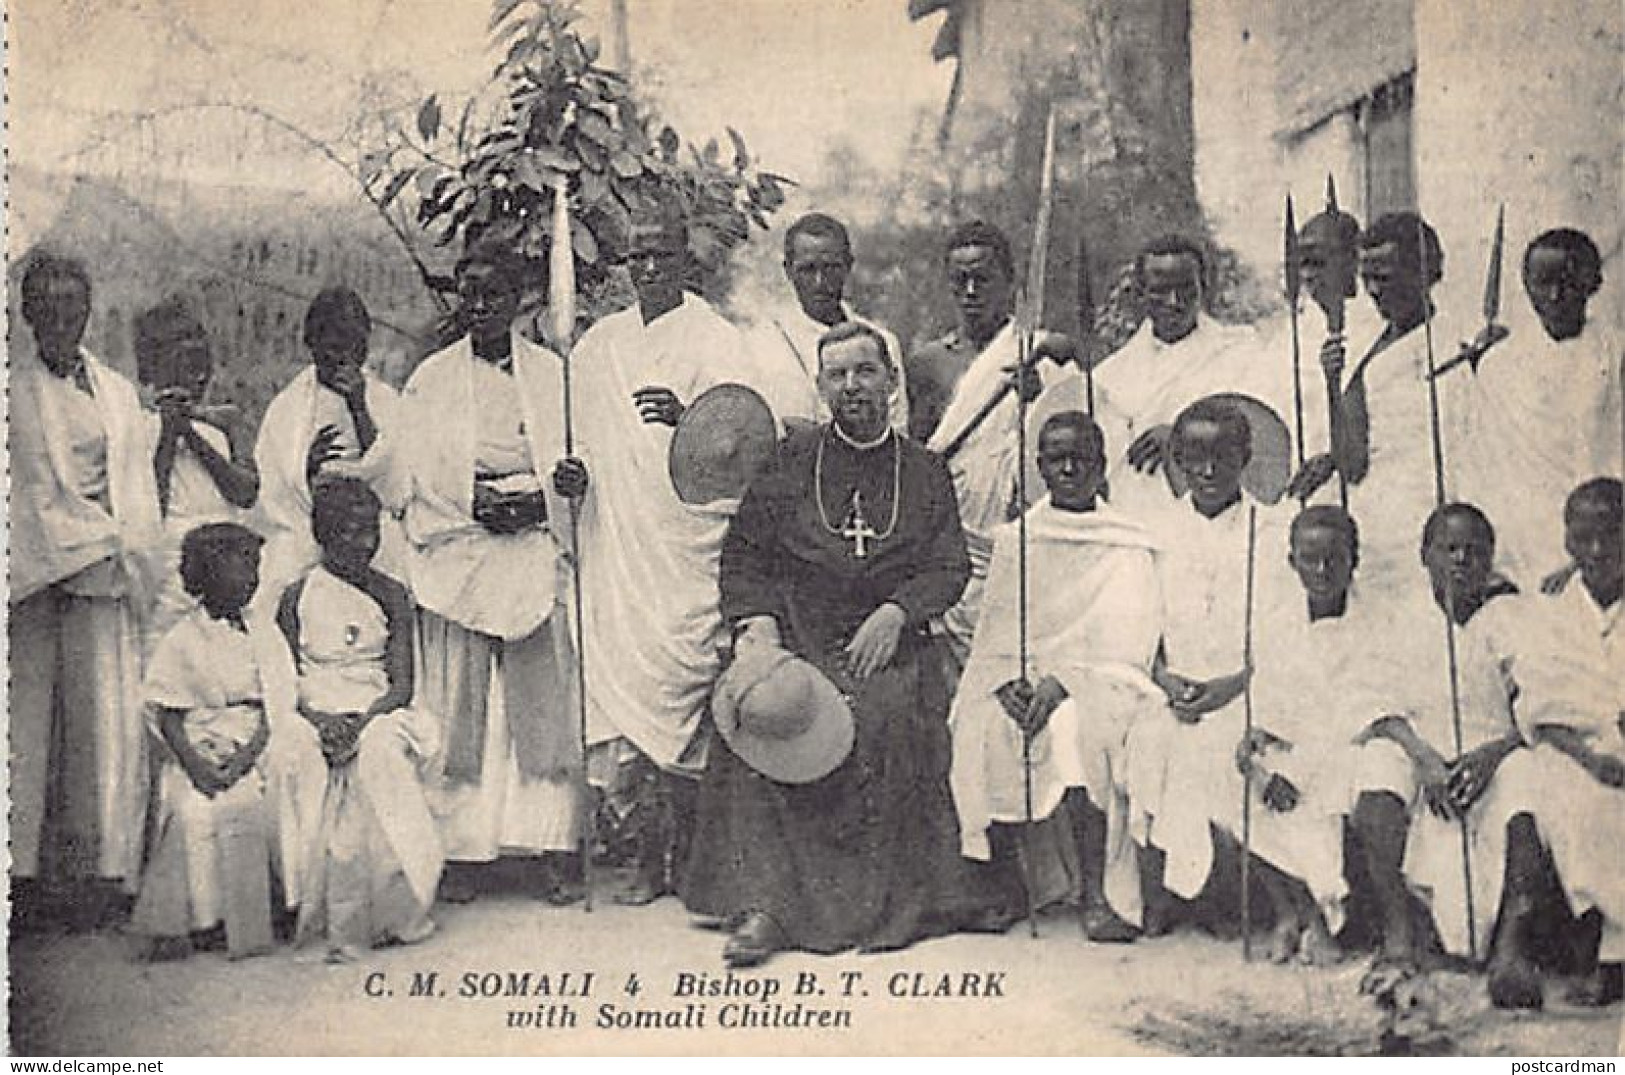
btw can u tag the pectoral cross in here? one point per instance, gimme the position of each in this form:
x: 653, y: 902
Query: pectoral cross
x: 857, y: 528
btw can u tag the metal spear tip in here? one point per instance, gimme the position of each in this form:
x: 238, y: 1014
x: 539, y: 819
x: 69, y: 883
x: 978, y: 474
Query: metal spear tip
x: 1289, y: 257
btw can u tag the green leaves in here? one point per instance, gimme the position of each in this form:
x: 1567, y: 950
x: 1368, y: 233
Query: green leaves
x: 550, y: 117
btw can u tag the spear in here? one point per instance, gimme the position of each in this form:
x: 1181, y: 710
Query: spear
x: 561, y: 310
x: 1031, y: 317
x: 1086, y: 323
x: 1493, y: 332
x: 1247, y: 733
x: 1334, y: 329
x: 1294, y: 286
x: 1436, y: 432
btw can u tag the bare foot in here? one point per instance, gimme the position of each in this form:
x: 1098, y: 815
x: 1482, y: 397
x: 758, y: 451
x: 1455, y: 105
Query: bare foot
x: 1284, y: 941
x: 1317, y: 947
x: 417, y: 932
x: 1602, y: 987
x: 1102, y: 925
x: 1515, y: 985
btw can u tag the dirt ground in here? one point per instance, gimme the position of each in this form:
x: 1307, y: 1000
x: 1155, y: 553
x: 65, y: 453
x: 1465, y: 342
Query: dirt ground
x: 1187, y: 994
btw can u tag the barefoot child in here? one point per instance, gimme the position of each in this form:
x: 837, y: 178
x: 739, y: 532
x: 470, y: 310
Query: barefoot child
x: 206, y: 702
x: 1572, y: 711
x: 1315, y: 656
x: 374, y: 859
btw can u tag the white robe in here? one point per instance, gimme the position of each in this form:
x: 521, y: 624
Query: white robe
x: 1544, y: 416
x: 502, y: 585
x: 55, y: 530
x: 486, y: 587
x: 1146, y: 383
x: 1315, y: 687
x: 291, y: 422
x: 194, y: 500
x: 1413, y: 682
x: 1183, y: 777
x: 983, y: 470
x: 1275, y: 356
x: 649, y: 562
x: 1393, y: 500
x: 1568, y: 664
x: 375, y: 831
x: 786, y: 344
x: 1093, y: 619
x: 84, y: 533
x: 207, y: 669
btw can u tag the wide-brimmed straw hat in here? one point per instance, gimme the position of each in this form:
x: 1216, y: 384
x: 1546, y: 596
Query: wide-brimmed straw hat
x: 1269, y: 470
x: 781, y: 716
x: 722, y: 440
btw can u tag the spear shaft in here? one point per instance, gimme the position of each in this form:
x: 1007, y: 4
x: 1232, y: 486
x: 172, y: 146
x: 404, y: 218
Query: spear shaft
x: 1435, y: 424
x: 1032, y: 316
x: 1294, y: 282
x: 562, y: 313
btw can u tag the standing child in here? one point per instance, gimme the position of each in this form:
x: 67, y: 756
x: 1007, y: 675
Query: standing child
x: 204, y: 692
x: 202, y: 457
x: 373, y: 861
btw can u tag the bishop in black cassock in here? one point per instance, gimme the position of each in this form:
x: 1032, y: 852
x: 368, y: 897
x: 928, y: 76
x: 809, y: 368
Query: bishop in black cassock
x: 841, y: 545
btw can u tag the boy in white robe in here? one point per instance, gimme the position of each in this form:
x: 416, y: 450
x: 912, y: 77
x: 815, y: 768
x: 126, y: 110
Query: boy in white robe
x: 1314, y: 664
x: 335, y: 417
x: 1382, y: 442
x: 1178, y: 356
x: 1182, y: 777
x: 371, y: 865
x: 954, y: 379
x: 1407, y: 817
x: 1093, y: 614
x: 1571, y: 710
x: 489, y: 540
x: 1329, y: 308
x: 84, y: 527
x: 1545, y: 411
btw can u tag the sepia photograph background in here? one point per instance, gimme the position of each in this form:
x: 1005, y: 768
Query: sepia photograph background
x: 244, y: 154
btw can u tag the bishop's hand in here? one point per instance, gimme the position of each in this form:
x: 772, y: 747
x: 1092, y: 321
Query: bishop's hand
x: 875, y: 643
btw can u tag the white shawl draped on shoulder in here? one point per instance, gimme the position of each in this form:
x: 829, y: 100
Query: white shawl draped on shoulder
x: 290, y: 424
x: 649, y: 562
x: 1093, y: 625
x: 502, y: 585
x: 56, y: 532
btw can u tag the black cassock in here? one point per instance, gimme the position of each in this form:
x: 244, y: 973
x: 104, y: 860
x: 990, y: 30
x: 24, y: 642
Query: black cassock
x: 868, y: 856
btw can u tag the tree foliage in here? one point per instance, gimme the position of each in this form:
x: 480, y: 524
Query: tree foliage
x: 552, y: 116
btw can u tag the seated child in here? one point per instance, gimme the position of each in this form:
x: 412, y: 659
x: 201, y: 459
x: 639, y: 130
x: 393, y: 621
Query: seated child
x: 213, y: 853
x: 373, y: 861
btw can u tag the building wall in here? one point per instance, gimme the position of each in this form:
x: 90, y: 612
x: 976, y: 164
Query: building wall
x: 1280, y: 96
x: 1519, y: 104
